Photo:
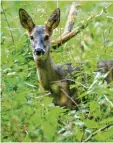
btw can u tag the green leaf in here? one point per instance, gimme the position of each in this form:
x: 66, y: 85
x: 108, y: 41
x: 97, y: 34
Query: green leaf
x: 91, y: 124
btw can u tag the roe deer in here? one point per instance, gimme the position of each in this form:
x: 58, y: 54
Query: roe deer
x: 51, y: 77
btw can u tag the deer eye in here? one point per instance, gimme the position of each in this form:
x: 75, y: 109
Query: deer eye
x: 46, y: 37
x: 31, y: 37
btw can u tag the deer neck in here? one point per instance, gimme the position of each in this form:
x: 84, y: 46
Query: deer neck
x: 46, y: 73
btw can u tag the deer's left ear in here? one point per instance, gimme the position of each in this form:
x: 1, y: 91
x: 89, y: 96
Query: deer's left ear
x: 54, y: 20
x: 26, y: 20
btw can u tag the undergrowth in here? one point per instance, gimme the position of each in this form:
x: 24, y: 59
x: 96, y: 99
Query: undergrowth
x: 28, y: 115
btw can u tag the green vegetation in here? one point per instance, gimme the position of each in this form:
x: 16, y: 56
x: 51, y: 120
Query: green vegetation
x: 28, y: 115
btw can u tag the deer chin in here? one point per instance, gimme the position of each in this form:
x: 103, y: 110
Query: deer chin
x: 41, y: 57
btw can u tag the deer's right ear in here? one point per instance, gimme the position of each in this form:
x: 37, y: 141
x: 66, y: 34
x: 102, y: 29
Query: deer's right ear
x: 54, y: 20
x: 26, y: 20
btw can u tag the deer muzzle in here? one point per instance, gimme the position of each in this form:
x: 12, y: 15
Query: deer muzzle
x: 39, y: 51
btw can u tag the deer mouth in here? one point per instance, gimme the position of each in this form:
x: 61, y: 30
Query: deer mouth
x: 39, y: 52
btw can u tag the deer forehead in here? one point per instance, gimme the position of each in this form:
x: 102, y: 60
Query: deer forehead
x: 39, y: 31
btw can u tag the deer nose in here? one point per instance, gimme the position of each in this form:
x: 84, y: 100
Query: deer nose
x: 39, y: 51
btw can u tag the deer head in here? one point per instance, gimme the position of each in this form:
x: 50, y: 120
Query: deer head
x: 40, y: 35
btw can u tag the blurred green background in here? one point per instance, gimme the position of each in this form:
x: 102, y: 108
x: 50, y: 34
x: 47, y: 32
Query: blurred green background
x: 27, y: 115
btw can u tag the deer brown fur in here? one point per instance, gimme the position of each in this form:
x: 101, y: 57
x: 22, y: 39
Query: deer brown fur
x: 52, y: 77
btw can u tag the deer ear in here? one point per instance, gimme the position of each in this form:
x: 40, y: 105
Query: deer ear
x: 26, y: 20
x: 54, y: 20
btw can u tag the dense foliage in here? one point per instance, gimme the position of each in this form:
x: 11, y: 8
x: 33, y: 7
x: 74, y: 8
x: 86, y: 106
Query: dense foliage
x: 28, y: 115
